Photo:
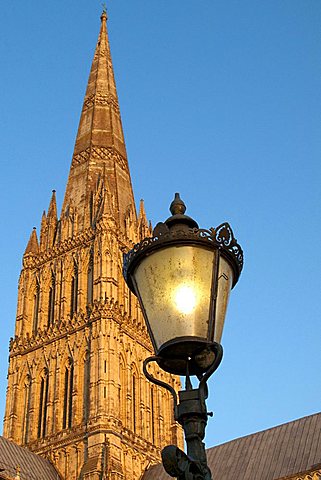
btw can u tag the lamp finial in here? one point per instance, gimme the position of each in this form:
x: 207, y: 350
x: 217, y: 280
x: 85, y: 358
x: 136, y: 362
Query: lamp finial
x: 177, y: 206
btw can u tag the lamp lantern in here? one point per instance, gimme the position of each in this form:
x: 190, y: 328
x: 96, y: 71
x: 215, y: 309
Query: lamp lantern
x: 183, y: 276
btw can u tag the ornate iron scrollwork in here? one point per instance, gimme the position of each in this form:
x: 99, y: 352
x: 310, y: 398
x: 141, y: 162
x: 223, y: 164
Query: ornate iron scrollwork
x: 221, y: 237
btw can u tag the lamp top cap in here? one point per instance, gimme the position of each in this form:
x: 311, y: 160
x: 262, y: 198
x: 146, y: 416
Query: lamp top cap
x: 180, y: 229
x: 178, y: 218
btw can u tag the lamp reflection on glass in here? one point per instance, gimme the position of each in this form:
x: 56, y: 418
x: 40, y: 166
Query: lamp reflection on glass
x: 185, y: 298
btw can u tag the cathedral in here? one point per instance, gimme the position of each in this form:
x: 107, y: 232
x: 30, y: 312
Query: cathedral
x: 76, y: 391
x: 78, y: 405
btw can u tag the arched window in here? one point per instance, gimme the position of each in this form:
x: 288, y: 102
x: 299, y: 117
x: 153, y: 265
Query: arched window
x: 69, y: 383
x: 134, y: 399
x: 36, y: 299
x: 153, y: 406
x: 26, y: 410
x: 90, y: 279
x: 74, y: 291
x: 129, y: 303
x: 43, y: 405
x: 51, y: 302
x: 122, y: 392
x: 86, y: 390
x: 135, y: 406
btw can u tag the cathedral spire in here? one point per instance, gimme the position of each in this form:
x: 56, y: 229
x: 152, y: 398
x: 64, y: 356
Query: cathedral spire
x: 100, y: 123
x: 100, y: 152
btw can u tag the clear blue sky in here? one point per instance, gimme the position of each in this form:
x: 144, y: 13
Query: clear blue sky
x: 221, y: 101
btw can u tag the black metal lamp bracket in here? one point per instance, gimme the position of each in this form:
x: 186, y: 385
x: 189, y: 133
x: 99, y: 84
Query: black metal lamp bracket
x: 191, y: 413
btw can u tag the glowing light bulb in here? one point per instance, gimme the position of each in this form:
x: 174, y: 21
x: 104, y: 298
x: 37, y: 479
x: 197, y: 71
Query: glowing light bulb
x: 185, y: 299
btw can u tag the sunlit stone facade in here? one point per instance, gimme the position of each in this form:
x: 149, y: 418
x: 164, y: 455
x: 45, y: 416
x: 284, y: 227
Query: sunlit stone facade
x: 76, y: 392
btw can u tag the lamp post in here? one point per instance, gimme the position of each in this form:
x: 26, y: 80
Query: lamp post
x: 182, y: 277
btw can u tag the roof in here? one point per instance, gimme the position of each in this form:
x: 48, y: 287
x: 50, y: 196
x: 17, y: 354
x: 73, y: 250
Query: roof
x: 14, y: 458
x: 272, y: 454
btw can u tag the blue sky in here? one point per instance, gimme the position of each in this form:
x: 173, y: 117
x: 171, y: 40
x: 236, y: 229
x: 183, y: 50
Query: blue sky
x: 221, y: 101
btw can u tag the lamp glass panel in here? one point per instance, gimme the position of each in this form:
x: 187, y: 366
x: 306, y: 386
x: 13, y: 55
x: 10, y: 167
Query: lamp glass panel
x: 175, y: 288
x: 224, y: 285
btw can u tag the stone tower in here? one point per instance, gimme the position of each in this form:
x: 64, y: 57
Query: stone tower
x: 76, y: 392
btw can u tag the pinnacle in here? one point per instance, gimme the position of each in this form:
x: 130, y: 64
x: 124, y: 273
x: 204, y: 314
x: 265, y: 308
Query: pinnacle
x: 52, y: 210
x: 33, y: 245
x: 142, y: 212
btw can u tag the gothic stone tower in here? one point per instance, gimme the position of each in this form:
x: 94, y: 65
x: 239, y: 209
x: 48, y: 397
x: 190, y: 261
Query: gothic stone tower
x: 76, y: 392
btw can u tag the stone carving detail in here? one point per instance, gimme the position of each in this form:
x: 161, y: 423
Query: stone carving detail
x: 102, y: 153
x: 80, y: 158
x: 109, y: 308
x: 65, y: 246
x: 102, y: 100
x: 110, y: 100
x: 98, y: 198
x: 110, y: 154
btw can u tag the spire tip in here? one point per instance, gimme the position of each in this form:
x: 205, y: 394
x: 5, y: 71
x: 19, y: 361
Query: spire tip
x: 104, y: 12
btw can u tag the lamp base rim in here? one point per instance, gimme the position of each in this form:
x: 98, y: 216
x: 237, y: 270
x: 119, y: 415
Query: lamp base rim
x: 186, y: 355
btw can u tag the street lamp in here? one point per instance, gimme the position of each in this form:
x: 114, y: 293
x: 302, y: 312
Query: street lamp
x: 182, y: 277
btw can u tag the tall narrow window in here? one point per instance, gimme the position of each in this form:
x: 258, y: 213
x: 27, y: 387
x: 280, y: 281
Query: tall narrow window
x: 135, y: 403
x: 42, y: 387
x: 90, y: 279
x: 43, y: 405
x: 51, y: 302
x: 86, y: 392
x: 152, y: 395
x: 64, y: 421
x: 71, y: 386
x: 36, y: 299
x: 122, y: 397
x: 129, y: 303
x: 69, y: 383
x: 60, y: 303
x: 26, y: 410
x: 74, y: 291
